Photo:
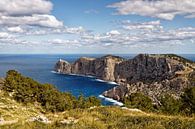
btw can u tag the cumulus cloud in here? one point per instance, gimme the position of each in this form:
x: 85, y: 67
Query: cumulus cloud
x: 65, y: 42
x: 25, y: 7
x: 5, y: 35
x: 149, y: 26
x: 15, y: 29
x: 60, y: 41
x: 28, y: 12
x: 163, y: 9
x: 113, y: 32
x: 136, y: 34
x: 33, y: 20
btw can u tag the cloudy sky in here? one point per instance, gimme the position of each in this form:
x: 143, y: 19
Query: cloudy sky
x: 97, y: 26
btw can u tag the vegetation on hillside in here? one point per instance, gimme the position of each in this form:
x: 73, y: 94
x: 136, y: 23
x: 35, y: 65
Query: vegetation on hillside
x: 185, y: 105
x: 140, y: 101
x: 108, y: 118
x: 63, y: 110
x: 27, y: 90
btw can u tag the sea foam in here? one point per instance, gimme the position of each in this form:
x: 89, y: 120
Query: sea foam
x: 109, y: 82
x: 115, y: 102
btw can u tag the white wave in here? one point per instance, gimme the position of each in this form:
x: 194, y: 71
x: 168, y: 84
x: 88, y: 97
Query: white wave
x: 89, y: 76
x: 55, y: 72
x: 99, y: 80
x: 115, y: 102
x: 113, y: 83
x: 109, y: 82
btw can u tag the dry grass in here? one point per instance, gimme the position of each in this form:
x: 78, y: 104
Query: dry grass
x: 94, y: 118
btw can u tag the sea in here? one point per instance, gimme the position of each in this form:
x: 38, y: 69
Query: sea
x: 40, y: 67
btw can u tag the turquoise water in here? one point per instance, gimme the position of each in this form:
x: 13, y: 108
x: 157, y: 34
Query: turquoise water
x: 40, y: 67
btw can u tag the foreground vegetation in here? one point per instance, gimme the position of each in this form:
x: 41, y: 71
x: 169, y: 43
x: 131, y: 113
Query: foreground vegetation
x: 185, y: 105
x: 107, y: 118
x: 22, y: 99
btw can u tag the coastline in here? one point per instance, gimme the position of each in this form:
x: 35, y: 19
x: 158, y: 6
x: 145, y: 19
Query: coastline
x: 114, y: 102
x: 89, y: 76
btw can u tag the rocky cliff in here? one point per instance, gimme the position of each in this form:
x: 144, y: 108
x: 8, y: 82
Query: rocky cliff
x: 151, y: 74
x: 102, y: 68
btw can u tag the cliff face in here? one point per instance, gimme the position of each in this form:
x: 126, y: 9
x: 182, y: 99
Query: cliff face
x: 151, y: 74
x: 63, y: 67
x: 102, y: 68
x: 147, y: 68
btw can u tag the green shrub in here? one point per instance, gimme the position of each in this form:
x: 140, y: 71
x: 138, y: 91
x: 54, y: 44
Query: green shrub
x: 188, y: 100
x: 170, y: 105
x: 140, y: 101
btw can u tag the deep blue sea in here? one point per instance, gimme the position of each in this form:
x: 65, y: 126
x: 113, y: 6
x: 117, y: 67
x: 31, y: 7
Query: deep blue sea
x: 40, y: 67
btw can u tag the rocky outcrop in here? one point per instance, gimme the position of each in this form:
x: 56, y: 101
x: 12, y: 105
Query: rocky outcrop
x: 151, y: 74
x: 63, y: 67
x: 102, y: 68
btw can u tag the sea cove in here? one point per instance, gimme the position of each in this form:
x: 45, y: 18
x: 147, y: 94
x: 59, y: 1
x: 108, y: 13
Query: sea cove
x: 40, y: 68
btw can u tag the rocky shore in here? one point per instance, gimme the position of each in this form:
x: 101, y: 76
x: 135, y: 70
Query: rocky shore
x: 152, y: 75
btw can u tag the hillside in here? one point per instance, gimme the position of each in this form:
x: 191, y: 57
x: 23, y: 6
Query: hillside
x: 23, y: 105
x: 17, y: 116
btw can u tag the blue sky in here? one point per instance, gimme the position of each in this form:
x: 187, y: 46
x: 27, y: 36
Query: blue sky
x: 97, y: 26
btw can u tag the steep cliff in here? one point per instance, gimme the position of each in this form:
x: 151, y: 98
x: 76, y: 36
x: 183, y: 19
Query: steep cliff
x: 102, y: 68
x: 151, y: 74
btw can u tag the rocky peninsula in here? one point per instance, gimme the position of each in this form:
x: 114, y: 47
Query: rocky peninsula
x: 151, y: 74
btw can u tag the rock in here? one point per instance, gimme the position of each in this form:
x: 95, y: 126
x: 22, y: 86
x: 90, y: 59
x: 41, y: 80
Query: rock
x: 1, y: 120
x: 70, y: 120
x: 40, y: 118
x: 63, y: 67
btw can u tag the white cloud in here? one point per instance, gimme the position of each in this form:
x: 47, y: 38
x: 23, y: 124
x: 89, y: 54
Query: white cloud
x: 148, y: 26
x: 113, y: 32
x: 34, y: 20
x: 61, y: 30
x: 5, y: 35
x: 136, y: 34
x: 25, y: 7
x: 16, y: 29
x: 28, y: 12
x: 163, y: 9
x: 22, y: 18
x: 63, y: 42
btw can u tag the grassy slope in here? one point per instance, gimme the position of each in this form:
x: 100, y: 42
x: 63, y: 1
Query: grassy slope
x: 94, y: 118
x: 11, y: 110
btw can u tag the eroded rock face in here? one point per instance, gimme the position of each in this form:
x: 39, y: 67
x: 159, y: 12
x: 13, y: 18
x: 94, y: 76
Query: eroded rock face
x: 146, y: 68
x: 102, y: 68
x: 105, y: 67
x: 63, y: 67
x: 84, y: 66
x: 152, y: 75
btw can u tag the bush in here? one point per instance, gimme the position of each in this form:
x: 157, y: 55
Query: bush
x: 170, y: 105
x: 87, y: 102
x: 188, y: 100
x: 140, y: 101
